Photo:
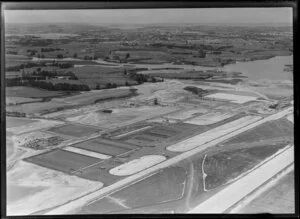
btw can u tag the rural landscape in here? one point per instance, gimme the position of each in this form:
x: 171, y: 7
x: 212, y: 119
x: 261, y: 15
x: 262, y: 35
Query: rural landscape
x: 149, y: 118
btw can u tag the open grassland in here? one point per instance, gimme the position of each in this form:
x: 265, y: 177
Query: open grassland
x: 280, y: 128
x: 213, y: 133
x: 164, y: 186
x: 226, y: 166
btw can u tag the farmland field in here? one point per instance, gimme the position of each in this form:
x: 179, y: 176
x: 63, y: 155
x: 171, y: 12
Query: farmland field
x: 74, y: 130
x: 62, y: 160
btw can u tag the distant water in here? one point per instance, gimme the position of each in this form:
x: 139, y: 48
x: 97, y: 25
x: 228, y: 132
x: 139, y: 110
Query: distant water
x: 270, y: 69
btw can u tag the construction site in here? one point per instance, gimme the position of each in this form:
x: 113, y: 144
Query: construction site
x: 140, y: 143
x: 149, y: 118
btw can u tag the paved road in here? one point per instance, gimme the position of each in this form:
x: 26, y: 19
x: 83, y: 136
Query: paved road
x: 64, y: 209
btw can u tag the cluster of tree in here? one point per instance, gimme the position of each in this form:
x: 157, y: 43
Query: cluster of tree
x: 205, y: 47
x: 60, y: 56
x: 52, y: 74
x: 26, y: 65
x: 139, y: 78
x: 216, y: 52
x: 31, y: 52
x: 224, y: 47
x: 201, y: 54
x: 34, y: 42
x: 89, y: 57
x: 50, y: 49
x: 63, y: 65
x: 196, y: 90
x: 12, y: 52
x: 47, y: 85
x: 110, y: 85
x: 15, y: 114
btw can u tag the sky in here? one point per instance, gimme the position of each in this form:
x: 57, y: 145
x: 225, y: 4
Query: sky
x: 153, y: 16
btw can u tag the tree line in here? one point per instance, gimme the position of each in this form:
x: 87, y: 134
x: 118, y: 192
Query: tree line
x: 62, y: 65
x: 46, y: 85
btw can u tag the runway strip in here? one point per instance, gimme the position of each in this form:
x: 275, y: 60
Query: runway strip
x: 76, y: 204
x: 87, y: 153
x: 241, y: 188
